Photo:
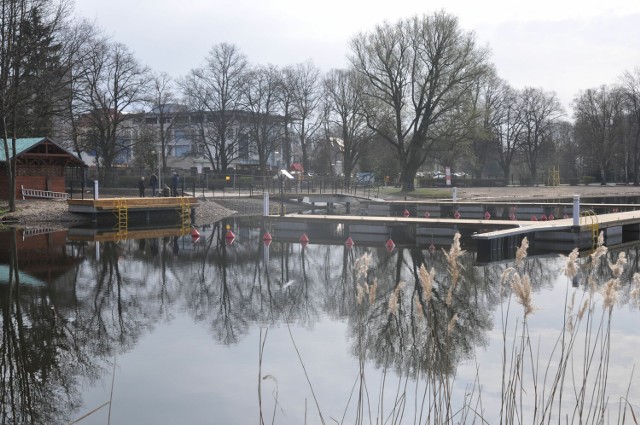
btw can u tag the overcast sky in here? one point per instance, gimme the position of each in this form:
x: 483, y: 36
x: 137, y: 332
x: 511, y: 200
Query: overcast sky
x: 559, y: 45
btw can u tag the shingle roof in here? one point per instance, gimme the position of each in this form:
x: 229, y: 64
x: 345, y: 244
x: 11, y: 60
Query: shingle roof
x: 24, y: 144
x: 21, y: 145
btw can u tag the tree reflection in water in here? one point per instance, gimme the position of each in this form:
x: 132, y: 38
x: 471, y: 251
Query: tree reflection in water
x: 57, y: 336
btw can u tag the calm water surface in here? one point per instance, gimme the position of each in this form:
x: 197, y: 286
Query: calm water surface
x: 171, y: 331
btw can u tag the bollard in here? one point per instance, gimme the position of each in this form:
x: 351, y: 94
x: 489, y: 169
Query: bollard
x: 95, y: 190
x: 265, y: 204
x: 455, y: 194
x: 576, y: 210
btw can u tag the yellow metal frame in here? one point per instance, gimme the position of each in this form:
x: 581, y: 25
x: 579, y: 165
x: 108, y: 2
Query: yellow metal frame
x: 554, y: 176
x: 122, y: 214
x: 592, y: 222
x: 275, y: 210
x: 185, y: 214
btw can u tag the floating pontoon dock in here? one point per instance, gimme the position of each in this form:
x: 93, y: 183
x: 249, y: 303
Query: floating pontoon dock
x: 121, y: 211
x: 495, y: 239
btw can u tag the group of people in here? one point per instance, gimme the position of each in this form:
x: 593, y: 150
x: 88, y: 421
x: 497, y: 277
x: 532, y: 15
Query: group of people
x: 153, y: 184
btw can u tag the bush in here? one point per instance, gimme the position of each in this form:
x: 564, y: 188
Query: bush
x: 587, y: 179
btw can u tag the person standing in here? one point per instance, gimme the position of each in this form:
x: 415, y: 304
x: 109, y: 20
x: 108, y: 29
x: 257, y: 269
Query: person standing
x: 153, y: 181
x: 174, y: 184
x: 141, y: 187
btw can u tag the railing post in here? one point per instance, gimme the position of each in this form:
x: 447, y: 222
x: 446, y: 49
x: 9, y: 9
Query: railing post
x: 576, y: 210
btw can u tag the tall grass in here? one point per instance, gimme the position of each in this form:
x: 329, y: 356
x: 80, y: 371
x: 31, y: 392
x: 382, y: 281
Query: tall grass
x: 566, y: 383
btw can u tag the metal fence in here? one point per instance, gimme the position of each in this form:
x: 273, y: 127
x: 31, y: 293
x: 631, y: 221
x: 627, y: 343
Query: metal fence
x: 125, y: 183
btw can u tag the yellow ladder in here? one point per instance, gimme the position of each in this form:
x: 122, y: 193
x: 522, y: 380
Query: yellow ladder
x: 122, y: 214
x: 275, y: 210
x: 554, y: 176
x: 185, y: 215
x: 590, y: 218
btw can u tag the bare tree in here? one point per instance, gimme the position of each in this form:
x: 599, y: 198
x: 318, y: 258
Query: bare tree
x: 599, y: 123
x: 631, y: 89
x: 306, y: 101
x: 541, y: 110
x: 214, y: 91
x: 32, y: 74
x: 287, y: 110
x: 345, y: 113
x: 567, y: 154
x: 508, y: 126
x: 168, y: 114
x: 486, y: 99
x: 417, y: 71
x: 112, y: 84
x: 261, y: 103
x: 77, y: 39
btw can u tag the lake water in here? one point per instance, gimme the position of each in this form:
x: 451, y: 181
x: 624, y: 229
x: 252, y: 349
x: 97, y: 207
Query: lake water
x: 170, y: 330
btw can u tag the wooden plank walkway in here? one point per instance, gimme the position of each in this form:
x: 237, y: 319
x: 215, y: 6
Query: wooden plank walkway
x: 83, y: 206
x: 125, y: 211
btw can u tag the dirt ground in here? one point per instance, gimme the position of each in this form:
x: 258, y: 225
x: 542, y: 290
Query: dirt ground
x: 544, y: 192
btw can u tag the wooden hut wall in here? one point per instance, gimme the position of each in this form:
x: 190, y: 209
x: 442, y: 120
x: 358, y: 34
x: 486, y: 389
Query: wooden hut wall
x: 40, y: 178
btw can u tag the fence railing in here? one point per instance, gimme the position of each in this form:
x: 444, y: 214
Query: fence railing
x: 204, y: 185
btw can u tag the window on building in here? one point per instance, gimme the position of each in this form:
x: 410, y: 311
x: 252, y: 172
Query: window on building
x: 181, y: 150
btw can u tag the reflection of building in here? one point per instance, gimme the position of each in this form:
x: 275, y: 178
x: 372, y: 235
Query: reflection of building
x: 42, y: 255
x: 40, y: 164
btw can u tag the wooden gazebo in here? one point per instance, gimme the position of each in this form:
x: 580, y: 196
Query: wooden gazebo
x: 40, y: 166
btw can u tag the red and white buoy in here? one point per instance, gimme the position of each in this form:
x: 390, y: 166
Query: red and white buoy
x: 349, y: 242
x: 390, y: 245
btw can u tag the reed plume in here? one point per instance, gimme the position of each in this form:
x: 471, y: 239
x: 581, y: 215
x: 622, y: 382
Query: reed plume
x: 571, y: 267
x: 417, y: 306
x: 426, y: 280
x: 454, y: 268
x: 610, y: 293
x: 359, y: 294
x: 521, y: 252
x: 618, y: 267
x: 634, y: 294
x: 372, y: 291
x: 452, y: 324
x: 522, y: 288
x: 393, y: 298
x: 601, y: 248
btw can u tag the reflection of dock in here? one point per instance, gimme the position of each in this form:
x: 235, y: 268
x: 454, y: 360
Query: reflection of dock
x: 110, y: 235
x: 122, y: 211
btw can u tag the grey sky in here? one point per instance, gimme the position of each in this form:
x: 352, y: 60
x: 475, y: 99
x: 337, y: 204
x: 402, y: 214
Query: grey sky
x: 561, y: 46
